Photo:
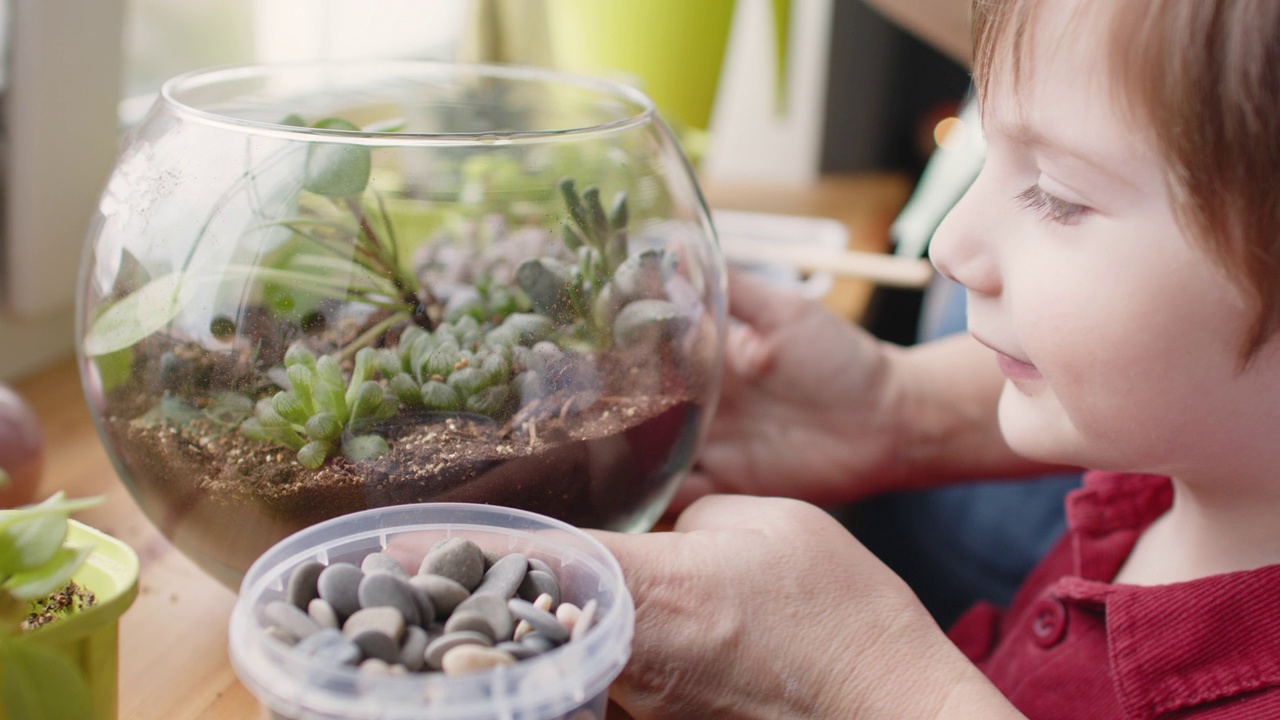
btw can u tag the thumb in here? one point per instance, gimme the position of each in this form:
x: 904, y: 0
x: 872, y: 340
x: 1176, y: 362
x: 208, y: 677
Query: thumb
x: 724, y: 512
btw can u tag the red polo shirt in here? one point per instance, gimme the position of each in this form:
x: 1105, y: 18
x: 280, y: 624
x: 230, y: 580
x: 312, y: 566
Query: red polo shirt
x: 1073, y: 645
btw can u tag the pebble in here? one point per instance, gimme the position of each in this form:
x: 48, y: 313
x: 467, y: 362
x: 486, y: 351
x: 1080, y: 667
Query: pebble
x: 288, y: 618
x: 517, y: 650
x: 413, y: 649
x: 468, y: 659
x: 465, y: 611
x: 437, y: 648
x: 323, y: 613
x: 539, y: 582
x: 483, y: 613
x: 302, y: 583
x: 339, y: 585
x: 386, y: 620
x: 386, y: 590
x: 329, y: 647
x: 537, y: 643
x: 377, y: 562
x: 445, y: 594
x: 504, y: 576
x: 458, y: 559
x: 539, y: 620
x: 568, y: 615
x: 375, y: 644
x: 583, y: 624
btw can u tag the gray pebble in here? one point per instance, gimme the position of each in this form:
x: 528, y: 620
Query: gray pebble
x: 536, y: 564
x: 377, y: 562
x: 387, y: 590
x: 386, y: 620
x: 491, y: 557
x: 413, y: 649
x: 339, y: 585
x: 483, y: 611
x: 302, y: 583
x: 519, y: 651
x: 443, y: 593
x: 540, y: 620
x: 538, y: 643
x: 537, y: 582
x: 443, y: 644
x: 323, y: 613
x: 374, y: 644
x: 504, y: 576
x: 287, y: 617
x: 458, y: 559
x: 329, y: 647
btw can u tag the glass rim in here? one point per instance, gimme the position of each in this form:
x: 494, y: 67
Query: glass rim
x: 171, y: 90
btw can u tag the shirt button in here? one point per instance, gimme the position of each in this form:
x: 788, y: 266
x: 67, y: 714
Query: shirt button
x: 1048, y: 621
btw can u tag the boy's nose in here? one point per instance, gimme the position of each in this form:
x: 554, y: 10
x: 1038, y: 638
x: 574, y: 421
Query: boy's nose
x: 960, y: 248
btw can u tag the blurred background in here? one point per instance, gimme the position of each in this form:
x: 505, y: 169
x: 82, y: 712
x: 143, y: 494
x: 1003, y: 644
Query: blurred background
x: 767, y: 93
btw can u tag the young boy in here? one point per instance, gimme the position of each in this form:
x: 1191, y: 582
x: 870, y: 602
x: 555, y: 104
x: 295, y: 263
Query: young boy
x: 1121, y: 256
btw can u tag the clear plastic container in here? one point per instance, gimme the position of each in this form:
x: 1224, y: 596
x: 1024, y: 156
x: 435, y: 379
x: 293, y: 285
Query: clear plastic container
x: 569, y: 682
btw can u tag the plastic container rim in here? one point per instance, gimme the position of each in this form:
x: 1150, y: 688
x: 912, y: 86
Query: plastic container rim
x: 613, y: 628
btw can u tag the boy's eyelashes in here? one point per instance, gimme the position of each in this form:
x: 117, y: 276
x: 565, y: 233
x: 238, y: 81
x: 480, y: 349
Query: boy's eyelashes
x: 1051, y: 207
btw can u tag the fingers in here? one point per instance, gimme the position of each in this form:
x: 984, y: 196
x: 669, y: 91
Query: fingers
x: 757, y: 303
x: 746, y: 352
x: 725, y: 512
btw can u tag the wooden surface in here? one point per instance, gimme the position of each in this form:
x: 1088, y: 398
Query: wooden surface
x: 173, y: 641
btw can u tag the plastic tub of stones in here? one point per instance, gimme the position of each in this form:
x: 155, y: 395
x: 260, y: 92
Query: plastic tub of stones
x: 447, y: 611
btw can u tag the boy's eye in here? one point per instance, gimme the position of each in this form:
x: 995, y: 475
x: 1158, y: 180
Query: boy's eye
x: 1051, y: 207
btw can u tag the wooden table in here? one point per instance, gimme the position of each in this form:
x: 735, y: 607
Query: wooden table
x: 173, y: 641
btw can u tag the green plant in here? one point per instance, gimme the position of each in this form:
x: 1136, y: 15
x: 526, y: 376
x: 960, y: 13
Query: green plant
x: 35, y: 563
x: 321, y: 412
x: 610, y: 295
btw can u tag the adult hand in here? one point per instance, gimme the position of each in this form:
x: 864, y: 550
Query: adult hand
x: 801, y: 409
x: 768, y: 608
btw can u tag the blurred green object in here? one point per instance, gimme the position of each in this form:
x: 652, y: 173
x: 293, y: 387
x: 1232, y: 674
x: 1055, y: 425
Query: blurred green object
x: 673, y: 48
x: 36, y: 666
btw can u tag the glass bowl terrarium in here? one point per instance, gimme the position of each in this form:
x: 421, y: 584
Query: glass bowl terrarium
x: 314, y: 289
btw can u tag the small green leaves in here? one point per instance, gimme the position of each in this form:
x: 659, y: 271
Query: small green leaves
x: 322, y: 411
x: 138, y: 315
x: 33, y: 560
x: 337, y: 169
x: 547, y: 283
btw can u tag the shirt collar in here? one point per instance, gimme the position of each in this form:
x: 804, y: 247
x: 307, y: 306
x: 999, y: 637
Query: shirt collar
x: 1171, y: 646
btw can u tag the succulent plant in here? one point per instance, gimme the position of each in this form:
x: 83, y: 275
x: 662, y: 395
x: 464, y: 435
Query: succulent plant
x: 601, y: 295
x: 36, y: 565
x: 468, y: 366
x: 321, y: 412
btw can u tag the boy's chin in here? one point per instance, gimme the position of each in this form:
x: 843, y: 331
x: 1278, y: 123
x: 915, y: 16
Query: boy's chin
x: 1040, y: 436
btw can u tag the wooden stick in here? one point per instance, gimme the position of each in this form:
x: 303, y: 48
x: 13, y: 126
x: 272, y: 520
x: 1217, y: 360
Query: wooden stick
x: 879, y: 268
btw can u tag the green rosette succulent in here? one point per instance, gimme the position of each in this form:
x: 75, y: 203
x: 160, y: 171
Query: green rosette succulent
x: 322, y: 414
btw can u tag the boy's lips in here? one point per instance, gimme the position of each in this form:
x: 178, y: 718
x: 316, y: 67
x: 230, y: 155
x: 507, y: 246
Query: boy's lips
x: 1012, y: 367
x: 1015, y: 369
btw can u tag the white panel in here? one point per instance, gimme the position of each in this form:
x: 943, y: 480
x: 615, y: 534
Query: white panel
x: 61, y: 134
x: 750, y: 141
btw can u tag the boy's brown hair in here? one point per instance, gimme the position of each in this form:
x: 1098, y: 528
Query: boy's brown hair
x: 1205, y: 74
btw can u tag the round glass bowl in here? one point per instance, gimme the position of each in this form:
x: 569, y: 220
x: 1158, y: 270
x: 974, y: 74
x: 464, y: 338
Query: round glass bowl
x: 319, y: 288
x: 570, y: 682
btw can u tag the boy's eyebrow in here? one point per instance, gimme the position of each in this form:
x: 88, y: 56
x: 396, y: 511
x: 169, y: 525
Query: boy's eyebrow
x: 1025, y: 135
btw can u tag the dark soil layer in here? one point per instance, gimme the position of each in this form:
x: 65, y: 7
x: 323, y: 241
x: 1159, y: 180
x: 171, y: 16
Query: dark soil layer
x: 224, y: 499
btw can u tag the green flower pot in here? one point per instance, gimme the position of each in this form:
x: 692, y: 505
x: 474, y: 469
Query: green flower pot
x: 89, y: 638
